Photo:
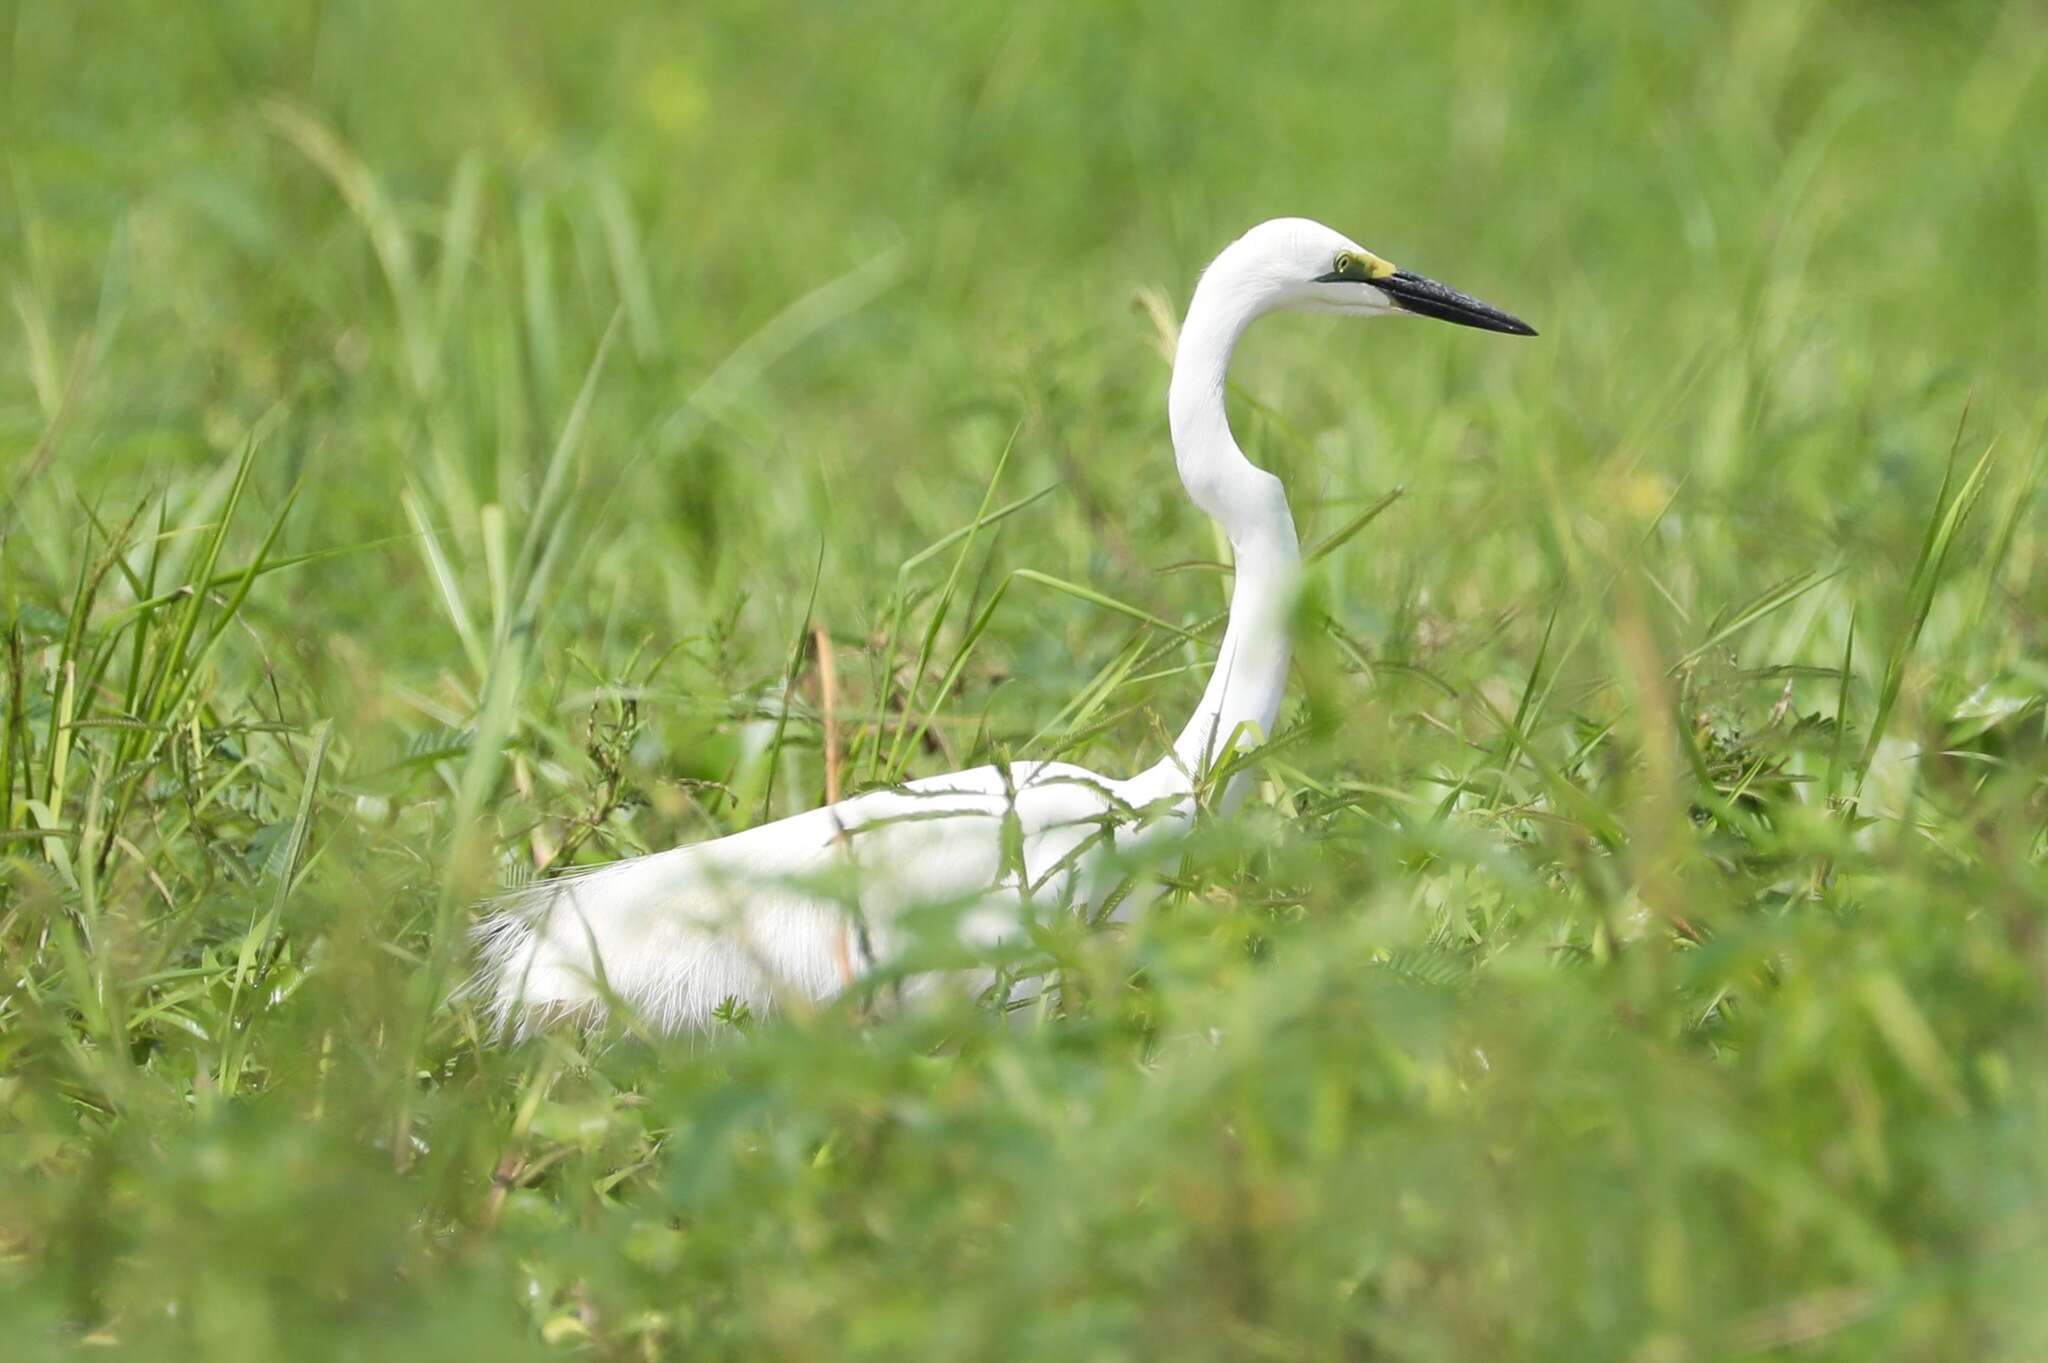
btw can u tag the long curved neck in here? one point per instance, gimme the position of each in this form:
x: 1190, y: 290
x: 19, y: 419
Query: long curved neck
x: 1251, y: 506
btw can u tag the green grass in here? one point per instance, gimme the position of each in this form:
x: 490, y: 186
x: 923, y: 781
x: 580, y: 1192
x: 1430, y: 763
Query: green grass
x: 434, y: 440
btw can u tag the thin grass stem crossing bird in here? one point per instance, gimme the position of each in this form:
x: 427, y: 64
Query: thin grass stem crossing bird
x: 804, y: 907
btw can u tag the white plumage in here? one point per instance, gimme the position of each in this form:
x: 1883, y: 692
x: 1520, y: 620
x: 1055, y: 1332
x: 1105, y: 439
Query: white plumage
x: 802, y: 907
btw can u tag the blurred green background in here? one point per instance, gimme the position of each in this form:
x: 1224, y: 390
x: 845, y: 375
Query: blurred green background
x: 1635, y: 948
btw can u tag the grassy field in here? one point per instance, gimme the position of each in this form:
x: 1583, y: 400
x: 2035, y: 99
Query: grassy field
x: 440, y: 444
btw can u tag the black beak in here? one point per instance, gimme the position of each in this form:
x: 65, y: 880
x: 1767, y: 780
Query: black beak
x: 1427, y: 298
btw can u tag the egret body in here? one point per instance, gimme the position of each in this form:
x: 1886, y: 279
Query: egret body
x: 802, y: 907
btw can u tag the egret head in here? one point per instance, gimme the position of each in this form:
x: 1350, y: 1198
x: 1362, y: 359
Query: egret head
x: 1295, y: 265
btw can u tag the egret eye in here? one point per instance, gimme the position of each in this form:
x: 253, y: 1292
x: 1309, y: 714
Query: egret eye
x: 1347, y: 265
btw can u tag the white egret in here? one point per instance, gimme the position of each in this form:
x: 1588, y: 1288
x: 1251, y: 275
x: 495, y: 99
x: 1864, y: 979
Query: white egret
x: 804, y: 906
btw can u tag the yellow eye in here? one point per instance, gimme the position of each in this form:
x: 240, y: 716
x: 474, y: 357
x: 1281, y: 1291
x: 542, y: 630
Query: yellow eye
x: 1347, y: 264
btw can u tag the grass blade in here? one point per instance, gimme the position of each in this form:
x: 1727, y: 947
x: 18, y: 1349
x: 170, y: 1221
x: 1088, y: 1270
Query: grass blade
x: 257, y: 939
x: 1756, y: 608
x: 1942, y: 528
